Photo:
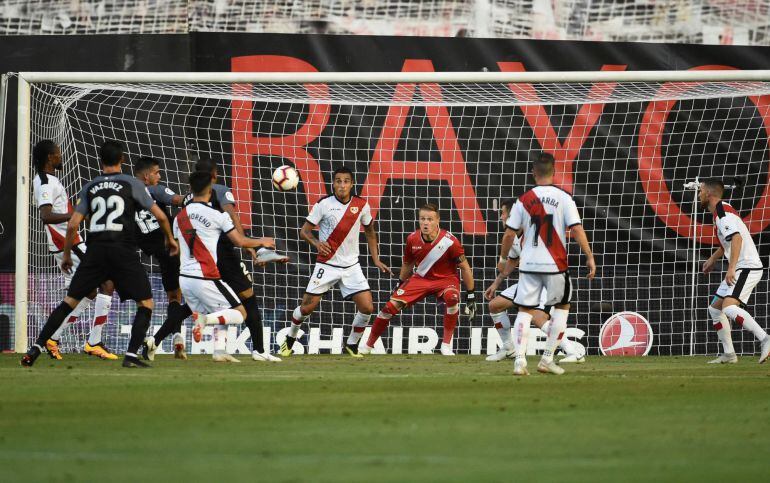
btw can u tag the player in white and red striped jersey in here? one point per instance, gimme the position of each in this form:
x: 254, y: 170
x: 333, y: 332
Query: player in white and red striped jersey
x: 499, y: 305
x: 55, y: 211
x: 198, y: 228
x: 744, y: 272
x: 432, y: 256
x: 542, y: 216
x: 339, y: 218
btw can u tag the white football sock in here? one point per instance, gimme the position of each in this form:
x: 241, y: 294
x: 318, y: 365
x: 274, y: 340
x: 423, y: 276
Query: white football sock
x: 555, y: 332
x: 745, y: 320
x: 503, y: 327
x: 101, y: 312
x: 224, y: 317
x: 220, y: 339
x: 722, y: 326
x: 521, y: 333
x: 71, y: 318
x: 296, y: 321
x: 360, y: 321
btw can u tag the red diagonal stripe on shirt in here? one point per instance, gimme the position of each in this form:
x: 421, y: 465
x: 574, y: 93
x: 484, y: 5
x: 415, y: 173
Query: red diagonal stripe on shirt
x: 58, y: 239
x: 343, y: 227
x: 427, y: 247
x: 535, y: 208
x: 198, y: 249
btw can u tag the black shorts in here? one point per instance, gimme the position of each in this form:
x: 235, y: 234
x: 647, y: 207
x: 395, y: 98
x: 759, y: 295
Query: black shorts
x: 111, y: 261
x: 232, y: 269
x: 155, y: 246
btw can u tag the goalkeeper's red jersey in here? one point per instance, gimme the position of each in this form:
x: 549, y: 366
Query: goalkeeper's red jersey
x: 436, y: 260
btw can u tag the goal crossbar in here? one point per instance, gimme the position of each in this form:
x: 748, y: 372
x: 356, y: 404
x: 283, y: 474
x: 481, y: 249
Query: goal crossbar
x: 398, y: 77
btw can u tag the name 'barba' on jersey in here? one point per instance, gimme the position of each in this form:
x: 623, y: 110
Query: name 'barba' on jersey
x: 105, y: 185
x: 546, y: 200
x: 200, y: 218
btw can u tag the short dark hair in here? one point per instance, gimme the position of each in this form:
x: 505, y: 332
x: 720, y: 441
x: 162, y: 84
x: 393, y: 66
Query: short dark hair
x: 199, y: 180
x: 40, y: 153
x: 208, y: 165
x: 342, y: 170
x: 144, y: 163
x: 714, y: 184
x: 430, y: 207
x: 543, y: 165
x: 111, y: 153
x: 507, y: 203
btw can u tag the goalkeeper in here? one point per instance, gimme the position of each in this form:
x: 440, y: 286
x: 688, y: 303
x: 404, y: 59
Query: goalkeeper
x: 432, y: 256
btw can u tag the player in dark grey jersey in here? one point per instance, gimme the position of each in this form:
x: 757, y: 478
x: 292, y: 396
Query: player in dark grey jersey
x: 152, y: 243
x: 110, y: 202
x: 229, y: 263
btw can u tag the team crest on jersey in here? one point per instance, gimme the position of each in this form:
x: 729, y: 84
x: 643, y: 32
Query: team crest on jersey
x: 45, y: 195
x: 354, y: 209
x: 400, y: 291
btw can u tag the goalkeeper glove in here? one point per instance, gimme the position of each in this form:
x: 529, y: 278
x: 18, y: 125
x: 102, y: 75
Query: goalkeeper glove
x: 470, y: 305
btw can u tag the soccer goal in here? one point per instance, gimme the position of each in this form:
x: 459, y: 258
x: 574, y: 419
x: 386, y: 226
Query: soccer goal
x: 626, y: 143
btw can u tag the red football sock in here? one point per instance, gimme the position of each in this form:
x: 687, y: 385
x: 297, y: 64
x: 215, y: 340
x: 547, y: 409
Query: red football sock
x: 450, y: 322
x: 381, y: 323
x: 378, y: 328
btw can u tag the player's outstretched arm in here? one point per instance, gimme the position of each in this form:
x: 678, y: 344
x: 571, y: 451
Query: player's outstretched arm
x: 306, y: 233
x: 579, y: 234
x: 245, y: 242
x: 736, y: 243
x: 230, y: 210
x: 374, y: 247
x: 69, y: 240
x: 173, y: 247
x: 708, y: 265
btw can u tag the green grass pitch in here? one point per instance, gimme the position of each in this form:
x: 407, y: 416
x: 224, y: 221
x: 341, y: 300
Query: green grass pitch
x: 384, y: 418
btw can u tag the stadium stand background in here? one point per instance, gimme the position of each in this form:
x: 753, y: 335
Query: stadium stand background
x: 744, y: 22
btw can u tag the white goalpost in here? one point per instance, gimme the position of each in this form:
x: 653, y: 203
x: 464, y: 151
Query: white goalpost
x: 626, y: 144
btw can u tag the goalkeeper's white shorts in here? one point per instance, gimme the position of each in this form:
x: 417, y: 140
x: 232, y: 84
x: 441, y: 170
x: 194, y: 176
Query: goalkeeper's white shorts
x: 510, y: 294
x: 557, y: 287
x: 745, y: 283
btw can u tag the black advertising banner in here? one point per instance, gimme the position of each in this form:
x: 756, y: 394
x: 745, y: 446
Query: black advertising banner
x: 640, y: 222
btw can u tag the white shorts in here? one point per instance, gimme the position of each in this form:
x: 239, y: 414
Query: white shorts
x: 510, y: 294
x: 77, y: 250
x: 351, y: 280
x: 207, y: 296
x: 557, y: 287
x: 746, y: 282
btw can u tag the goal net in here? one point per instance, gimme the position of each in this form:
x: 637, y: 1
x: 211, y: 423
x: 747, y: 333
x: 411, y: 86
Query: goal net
x: 625, y: 143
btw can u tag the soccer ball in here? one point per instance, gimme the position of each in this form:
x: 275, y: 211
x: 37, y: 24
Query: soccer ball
x: 285, y: 178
